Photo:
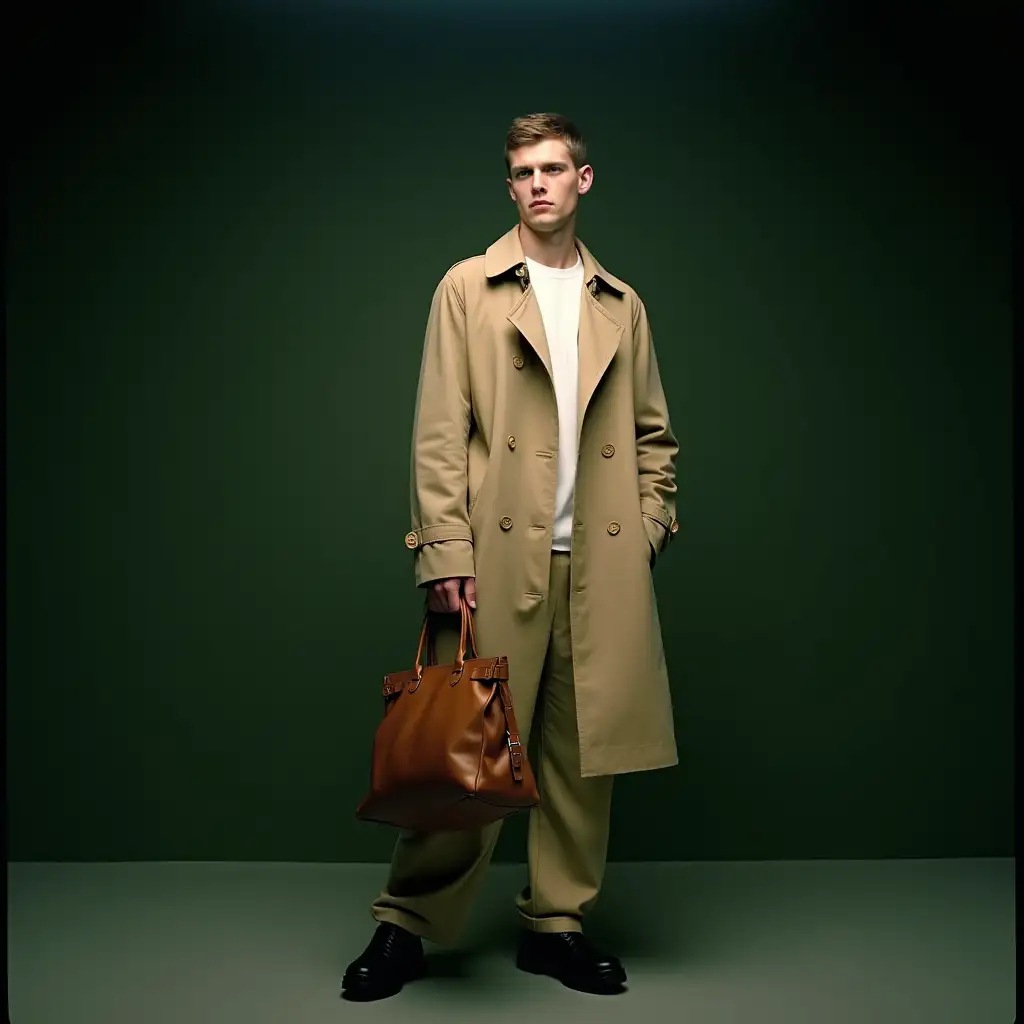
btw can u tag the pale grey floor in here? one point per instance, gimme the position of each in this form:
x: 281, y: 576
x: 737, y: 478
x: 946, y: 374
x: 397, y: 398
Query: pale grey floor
x: 742, y: 943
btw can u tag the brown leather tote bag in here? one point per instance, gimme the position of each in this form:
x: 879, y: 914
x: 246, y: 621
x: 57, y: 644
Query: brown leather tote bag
x: 447, y: 754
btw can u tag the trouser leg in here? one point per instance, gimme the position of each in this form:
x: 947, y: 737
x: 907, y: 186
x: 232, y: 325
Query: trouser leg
x: 433, y: 880
x: 568, y: 831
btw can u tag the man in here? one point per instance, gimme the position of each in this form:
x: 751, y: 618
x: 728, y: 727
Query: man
x: 543, y: 489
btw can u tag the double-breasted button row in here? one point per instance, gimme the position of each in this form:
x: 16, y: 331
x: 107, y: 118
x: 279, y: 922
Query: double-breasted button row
x: 506, y: 524
x: 518, y: 362
x: 412, y: 542
x: 608, y: 451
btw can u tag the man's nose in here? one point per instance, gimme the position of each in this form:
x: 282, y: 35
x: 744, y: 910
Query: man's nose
x: 538, y: 184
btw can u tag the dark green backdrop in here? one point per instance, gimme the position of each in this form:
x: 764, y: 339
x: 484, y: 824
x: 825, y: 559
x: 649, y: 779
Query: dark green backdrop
x: 224, y: 234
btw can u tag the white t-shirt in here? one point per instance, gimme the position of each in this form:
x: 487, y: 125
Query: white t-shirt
x: 558, y: 294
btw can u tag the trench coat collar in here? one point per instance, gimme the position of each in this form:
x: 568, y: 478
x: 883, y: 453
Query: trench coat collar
x: 599, y: 332
x: 507, y: 253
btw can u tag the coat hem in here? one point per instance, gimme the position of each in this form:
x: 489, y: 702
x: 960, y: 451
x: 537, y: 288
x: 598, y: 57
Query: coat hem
x: 629, y: 762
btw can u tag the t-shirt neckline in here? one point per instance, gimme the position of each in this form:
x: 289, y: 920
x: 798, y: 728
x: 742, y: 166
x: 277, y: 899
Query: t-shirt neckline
x: 545, y: 271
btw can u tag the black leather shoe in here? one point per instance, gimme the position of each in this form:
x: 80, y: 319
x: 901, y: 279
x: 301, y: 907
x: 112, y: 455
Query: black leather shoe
x: 569, y: 957
x: 393, y: 957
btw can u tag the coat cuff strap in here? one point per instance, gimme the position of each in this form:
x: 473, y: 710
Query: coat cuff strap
x: 436, y: 534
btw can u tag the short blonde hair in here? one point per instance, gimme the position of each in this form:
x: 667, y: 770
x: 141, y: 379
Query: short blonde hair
x: 534, y: 128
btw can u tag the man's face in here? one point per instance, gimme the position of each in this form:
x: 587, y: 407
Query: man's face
x: 545, y: 185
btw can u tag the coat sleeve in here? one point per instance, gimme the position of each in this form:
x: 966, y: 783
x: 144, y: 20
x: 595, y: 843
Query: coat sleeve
x: 441, y: 537
x: 656, y: 445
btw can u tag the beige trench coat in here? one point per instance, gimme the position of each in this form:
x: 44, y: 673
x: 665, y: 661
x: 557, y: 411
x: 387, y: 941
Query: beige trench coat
x: 484, y: 470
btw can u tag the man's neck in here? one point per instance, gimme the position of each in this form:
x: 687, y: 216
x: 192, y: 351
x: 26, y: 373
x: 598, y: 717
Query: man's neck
x: 556, y: 250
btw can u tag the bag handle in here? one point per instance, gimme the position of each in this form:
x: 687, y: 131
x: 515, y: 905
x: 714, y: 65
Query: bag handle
x: 426, y: 640
x: 467, y: 640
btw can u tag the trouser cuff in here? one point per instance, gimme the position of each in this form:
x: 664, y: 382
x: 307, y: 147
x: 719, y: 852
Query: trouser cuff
x: 414, y: 924
x: 547, y: 925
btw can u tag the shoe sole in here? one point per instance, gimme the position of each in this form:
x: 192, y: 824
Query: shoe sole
x: 359, y: 991
x: 610, y: 984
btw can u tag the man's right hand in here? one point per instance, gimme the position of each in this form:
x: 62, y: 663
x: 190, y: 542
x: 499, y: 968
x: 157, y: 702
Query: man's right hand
x: 443, y: 595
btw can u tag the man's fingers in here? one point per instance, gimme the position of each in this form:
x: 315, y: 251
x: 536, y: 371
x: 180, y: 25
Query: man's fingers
x: 437, y: 598
x: 444, y: 595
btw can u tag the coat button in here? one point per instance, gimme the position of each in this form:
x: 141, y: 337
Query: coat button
x: 517, y: 362
x: 410, y: 541
x: 608, y: 451
x: 674, y: 528
x: 613, y: 528
x: 506, y: 523
x: 512, y: 442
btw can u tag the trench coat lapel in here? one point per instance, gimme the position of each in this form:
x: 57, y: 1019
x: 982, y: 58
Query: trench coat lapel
x: 599, y: 332
x: 526, y: 318
x: 599, y: 340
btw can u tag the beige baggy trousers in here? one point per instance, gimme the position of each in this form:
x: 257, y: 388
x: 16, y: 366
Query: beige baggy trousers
x: 434, y: 877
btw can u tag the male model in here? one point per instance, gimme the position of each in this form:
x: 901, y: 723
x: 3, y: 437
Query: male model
x: 543, y: 489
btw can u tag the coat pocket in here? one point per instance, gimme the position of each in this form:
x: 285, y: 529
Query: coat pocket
x: 653, y: 532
